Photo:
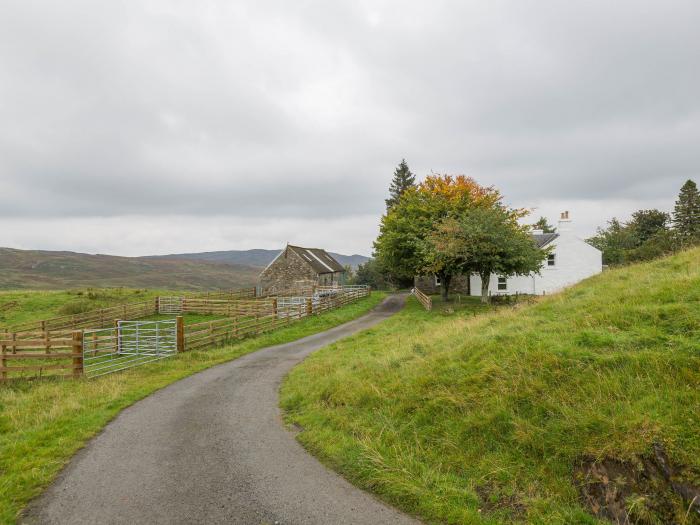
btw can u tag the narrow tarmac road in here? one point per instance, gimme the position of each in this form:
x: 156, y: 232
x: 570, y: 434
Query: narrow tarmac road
x: 212, y: 448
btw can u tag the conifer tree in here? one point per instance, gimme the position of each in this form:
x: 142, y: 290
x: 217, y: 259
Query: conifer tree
x: 686, y: 214
x: 543, y: 225
x: 403, y: 179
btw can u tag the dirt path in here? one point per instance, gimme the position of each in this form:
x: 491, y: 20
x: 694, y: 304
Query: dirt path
x: 212, y: 448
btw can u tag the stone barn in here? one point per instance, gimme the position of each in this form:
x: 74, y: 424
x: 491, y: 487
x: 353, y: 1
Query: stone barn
x: 297, y: 267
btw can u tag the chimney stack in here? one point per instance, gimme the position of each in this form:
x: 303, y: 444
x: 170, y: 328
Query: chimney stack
x: 564, y: 222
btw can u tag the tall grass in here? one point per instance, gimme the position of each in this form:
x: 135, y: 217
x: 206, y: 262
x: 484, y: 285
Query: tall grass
x: 43, y: 423
x: 463, y: 419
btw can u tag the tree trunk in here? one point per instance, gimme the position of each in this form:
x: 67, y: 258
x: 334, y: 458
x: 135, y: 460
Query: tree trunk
x: 445, y: 279
x: 485, y: 280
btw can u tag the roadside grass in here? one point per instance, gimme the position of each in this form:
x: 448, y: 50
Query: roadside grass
x: 43, y: 423
x: 459, y: 418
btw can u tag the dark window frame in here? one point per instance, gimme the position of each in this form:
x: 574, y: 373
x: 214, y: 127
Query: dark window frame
x: 502, y: 283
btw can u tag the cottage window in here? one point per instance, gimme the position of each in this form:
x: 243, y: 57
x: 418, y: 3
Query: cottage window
x: 551, y: 260
x: 502, y: 283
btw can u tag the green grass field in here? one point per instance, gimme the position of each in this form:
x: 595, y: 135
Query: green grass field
x: 43, y: 423
x: 516, y: 415
x: 21, y: 306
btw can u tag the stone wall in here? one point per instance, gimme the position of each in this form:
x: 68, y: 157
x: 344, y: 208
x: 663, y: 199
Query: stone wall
x: 284, y: 271
x: 288, y: 270
x: 427, y: 284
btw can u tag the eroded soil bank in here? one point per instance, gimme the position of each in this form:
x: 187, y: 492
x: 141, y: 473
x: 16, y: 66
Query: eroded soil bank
x: 647, y: 490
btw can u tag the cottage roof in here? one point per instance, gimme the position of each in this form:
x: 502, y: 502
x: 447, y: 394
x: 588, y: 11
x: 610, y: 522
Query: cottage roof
x: 543, y: 239
x: 318, y: 259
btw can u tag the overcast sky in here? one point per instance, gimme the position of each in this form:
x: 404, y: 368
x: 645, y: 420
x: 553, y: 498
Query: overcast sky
x: 151, y: 127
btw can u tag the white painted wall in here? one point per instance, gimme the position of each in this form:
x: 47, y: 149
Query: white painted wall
x: 575, y: 261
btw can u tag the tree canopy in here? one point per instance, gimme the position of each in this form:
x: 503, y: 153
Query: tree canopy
x: 686, y: 214
x: 407, y: 244
x: 486, y: 241
x: 543, y: 225
x: 371, y: 274
x: 648, y: 234
x: 402, y: 181
x: 645, y: 236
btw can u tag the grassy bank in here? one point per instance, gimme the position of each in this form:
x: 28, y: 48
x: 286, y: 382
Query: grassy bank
x: 533, y: 414
x: 42, y: 424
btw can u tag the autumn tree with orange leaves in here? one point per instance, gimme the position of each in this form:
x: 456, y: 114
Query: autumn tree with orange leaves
x: 425, y: 231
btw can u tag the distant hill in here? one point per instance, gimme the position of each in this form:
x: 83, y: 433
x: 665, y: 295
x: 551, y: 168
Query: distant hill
x: 38, y: 269
x: 257, y: 257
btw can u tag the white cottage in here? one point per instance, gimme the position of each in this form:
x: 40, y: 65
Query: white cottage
x: 571, y: 260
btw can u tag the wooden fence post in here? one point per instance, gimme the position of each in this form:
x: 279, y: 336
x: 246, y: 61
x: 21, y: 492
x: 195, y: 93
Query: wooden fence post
x: 77, y: 353
x: 157, y: 304
x: 309, y: 306
x: 180, y: 333
x: 3, y: 361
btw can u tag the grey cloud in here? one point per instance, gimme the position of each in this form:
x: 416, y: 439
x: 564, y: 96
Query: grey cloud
x: 301, y: 110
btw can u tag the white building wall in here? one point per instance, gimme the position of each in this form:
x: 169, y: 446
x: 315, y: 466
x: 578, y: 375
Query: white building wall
x: 575, y: 260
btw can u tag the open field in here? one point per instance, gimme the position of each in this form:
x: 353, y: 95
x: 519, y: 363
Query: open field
x: 532, y: 414
x: 42, y: 424
x: 21, y: 306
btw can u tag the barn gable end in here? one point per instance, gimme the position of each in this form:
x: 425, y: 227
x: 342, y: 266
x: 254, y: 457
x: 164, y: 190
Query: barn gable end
x: 296, y: 266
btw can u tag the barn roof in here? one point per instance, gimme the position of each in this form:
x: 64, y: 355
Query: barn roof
x: 543, y: 239
x: 318, y: 259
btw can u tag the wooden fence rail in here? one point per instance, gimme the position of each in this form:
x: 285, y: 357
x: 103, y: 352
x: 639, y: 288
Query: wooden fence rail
x: 243, y: 293
x: 39, y: 354
x: 104, y: 317
x: 228, y: 307
x: 423, y: 299
x: 221, y: 331
x: 99, y: 318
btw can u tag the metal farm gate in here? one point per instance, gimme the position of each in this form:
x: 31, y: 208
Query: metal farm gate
x: 170, y: 304
x: 128, y: 344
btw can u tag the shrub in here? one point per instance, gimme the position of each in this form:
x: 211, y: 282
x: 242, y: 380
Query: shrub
x: 75, y: 307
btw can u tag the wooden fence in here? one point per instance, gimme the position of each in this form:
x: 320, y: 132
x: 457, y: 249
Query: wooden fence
x: 36, y: 354
x: 104, y: 317
x: 93, y: 319
x: 228, y: 307
x: 221, y: 331
x: 423, y: 299
x: 62, y: 353
x: 243, y: 293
